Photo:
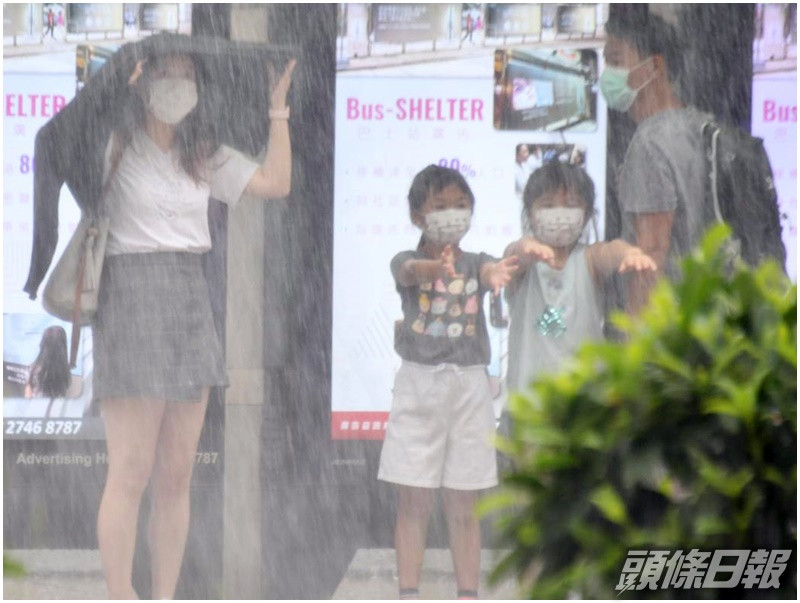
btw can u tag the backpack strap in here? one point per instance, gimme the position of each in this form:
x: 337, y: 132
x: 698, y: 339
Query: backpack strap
x: 710, y: 138
x: 732, y: 248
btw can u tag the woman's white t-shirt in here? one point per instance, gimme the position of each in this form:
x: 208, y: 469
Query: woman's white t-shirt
x: 154, y: 205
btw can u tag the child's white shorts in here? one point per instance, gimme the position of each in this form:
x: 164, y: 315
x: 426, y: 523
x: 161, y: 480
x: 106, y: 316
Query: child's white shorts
x: 440, y: 429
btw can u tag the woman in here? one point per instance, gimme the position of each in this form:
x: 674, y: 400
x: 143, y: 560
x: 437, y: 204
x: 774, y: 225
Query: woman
x: 49, y: 375
x: 156, y: 352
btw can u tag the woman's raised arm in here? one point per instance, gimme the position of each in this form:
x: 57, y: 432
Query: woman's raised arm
x: 273, y: 179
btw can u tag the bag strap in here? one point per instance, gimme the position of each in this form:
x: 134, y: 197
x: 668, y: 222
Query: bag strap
x: 117, y: 148
x: 76, y: 307
x: 711, y: 136
x: 88, y: 241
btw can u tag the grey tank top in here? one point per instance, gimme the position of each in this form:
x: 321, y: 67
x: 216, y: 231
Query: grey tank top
x: 552, y: 313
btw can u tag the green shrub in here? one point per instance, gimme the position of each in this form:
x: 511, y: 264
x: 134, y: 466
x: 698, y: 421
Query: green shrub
x: 682, y: 437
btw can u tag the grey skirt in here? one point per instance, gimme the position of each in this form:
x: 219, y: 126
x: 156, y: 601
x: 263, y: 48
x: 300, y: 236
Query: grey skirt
x: 153, y: 333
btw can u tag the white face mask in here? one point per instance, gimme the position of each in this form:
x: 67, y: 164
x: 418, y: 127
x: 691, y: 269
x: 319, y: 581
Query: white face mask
x: 171, y: 99
x: 558, y: 226
x: 447, y: 226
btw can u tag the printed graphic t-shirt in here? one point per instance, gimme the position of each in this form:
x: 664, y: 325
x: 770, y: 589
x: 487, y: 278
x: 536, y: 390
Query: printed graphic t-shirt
x: 443, y: 320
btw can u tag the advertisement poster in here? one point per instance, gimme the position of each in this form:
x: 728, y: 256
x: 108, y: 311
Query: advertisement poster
x: 494, y: 109
x: 35, y: 89
x: 775, y: 110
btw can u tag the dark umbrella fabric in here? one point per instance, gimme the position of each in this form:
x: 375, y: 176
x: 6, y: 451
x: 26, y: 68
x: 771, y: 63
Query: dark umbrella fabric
x: 70, y: 148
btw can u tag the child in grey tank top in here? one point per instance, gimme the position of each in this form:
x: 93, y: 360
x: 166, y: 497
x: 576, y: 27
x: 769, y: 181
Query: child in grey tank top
x: 555, y: 298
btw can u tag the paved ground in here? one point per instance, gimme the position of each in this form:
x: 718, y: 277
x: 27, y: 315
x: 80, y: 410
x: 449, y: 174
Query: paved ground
x: 372, y: 575
x: 59, y: 574
x: 76, y: 574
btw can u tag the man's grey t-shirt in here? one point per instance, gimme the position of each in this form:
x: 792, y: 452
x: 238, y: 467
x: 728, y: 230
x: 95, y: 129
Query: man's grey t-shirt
x: 664, y: 170
x: 443, y: 320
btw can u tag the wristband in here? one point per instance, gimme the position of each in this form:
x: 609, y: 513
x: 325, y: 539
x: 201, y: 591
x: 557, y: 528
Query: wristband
x: 279, y: 113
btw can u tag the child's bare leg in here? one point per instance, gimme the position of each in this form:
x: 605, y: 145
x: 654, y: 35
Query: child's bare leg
x: 465, y: 537
x: 413, y: 511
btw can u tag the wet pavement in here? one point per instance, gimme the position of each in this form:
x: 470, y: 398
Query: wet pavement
x: 372, y: 575
x: 77, y: 575
x: 56, y: 574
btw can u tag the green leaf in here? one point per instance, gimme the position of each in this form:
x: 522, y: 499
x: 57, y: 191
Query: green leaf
x: 528, y: 534
x: 546, y: 461
x: 610, y: 504
x: 543, y: 435
x: 711, y: 525
x: 722, y: 406
x: 499, y: 501
x: 752, y: 500
x: 728, y: 483
x: 773, y: 475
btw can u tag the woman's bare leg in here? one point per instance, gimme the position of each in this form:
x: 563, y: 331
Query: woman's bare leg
x: 169, y: 516
x: 132, y: 426
x: 465, y: 536
x: 414, y: 507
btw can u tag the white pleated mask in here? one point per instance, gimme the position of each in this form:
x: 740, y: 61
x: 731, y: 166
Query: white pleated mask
x: 171, y: 99
x: 447, y: 226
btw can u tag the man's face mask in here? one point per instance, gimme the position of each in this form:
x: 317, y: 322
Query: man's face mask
x: 615, y: 89
x: 171, y: 99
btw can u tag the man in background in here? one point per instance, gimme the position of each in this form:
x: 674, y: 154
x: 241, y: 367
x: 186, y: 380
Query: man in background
x: 661, y: 182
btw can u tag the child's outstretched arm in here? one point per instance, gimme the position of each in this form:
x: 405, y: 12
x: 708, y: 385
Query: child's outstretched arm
x: 604, y: 259
x: 529, y: 251
x: 416, y: 272
x: 496, y: 275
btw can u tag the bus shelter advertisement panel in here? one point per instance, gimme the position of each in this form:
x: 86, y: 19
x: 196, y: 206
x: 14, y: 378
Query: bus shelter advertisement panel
x: 775, y: 110
x: 33, y: 96
x: 494, y: 112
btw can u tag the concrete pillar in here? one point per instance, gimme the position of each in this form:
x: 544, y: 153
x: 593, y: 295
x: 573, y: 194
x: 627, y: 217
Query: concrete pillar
x: 242, y: 555
x: 245, y: 396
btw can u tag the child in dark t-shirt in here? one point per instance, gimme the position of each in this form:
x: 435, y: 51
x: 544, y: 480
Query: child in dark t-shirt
x: 441, y: 424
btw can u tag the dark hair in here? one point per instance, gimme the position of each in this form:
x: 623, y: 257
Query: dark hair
x: 649, y: 35
x: 552, y: 177
x: 433, y: 179
x: 49, y: 374
x: 196, y: 137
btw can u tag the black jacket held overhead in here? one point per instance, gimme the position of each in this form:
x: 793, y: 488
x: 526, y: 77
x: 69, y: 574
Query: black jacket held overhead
x: 70, y: 148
